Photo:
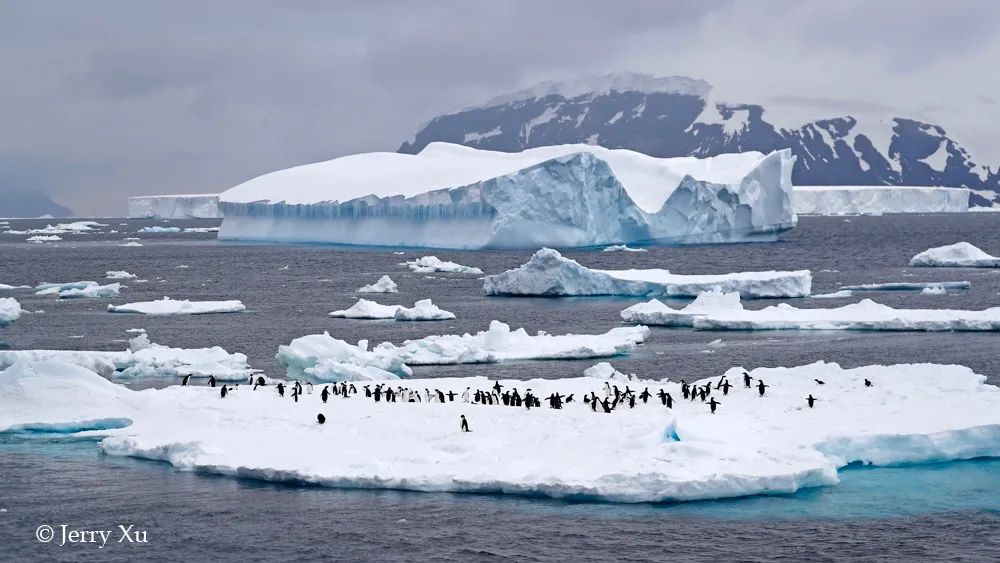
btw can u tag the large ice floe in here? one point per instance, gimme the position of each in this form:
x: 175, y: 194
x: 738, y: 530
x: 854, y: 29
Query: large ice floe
x: 752, y: 445
x: 75, y: 227
x: 143, y: 359
x: 10, y: 310
x: 451, y: 196
x: 433, y: 264
x: 423, y: 310
x: 958, y: 255
x: 551, y: 274
x: 906, y: 286
x: 190, y: 206
x: 879, y: 200
x: 168, y: 306
x: 723, y: 311
x: 383, y: 285
x: 79, y: 289
x: 326, y: 358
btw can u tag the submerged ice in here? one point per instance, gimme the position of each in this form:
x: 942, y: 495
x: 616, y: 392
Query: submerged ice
x: 451, y: 196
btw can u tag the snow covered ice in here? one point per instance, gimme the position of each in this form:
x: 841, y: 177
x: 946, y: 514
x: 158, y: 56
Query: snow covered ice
x: 917, y: 413
x: 452, y: 196
x: 604, y: 370
x: 550, y: 273
x: 622, y: 248
x: 168, y: 306
x: 724, y: 311
x: 958, y: 255
x: 322, y: 357
x: 44, y: 238
x: 433, y: 264
x: 878, y: 200
x: 79, y: 289
x: 422, y: 310
x: 383, y: 285
x: 190, y: 206
x: 906, y: 286
x: 10, y: 310
x: 119, y: 275
x: 159, y: 229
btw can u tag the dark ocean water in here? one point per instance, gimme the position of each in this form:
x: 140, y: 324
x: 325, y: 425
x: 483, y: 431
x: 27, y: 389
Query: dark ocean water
x: 935, y: 512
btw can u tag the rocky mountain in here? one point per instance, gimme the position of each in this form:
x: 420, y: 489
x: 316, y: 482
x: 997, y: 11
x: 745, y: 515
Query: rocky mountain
x: 676, y: 116
x: 29, y: 203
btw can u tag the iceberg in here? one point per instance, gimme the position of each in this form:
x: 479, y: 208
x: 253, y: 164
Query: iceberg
x: 168, y: 306
x: 934, y: 290
x: 753, y: 445
x: 548, y: 273
x: 958, y: 255
x: 622, y: 248
x: 10, y: 310
x: 119, y: 275
x: 325, y: 358
x: 78, y: 289
x: 604, y: 370
x: 191, y: 206
x: 879, y: 200
x: 383, y: 285
x: 432, y: 264
x: 159, y: 229
x: 723, y: 311
x: 423, y: 310
x: 452, y: 196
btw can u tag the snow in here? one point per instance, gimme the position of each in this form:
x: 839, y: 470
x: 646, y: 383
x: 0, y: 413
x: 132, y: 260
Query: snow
x: 723, y: 311
x: 193, y: 206
x: 605, y: 370
x: 622, y: 248
x: 119, y: 275
x: 431, y: 264
x: 10, y: 310
x: 934, y: 290
x: 88, y: 289
x: 452, y: 196
x: 549, y: 273
x: 938, y: 161
x: 843, y: 293
x: 44, y: 238
x: 321, y: 357
x: 907, y: 286
x: 423, y: 310
x: 753, y: 445
x: 475, y: 137
x: 158, y: 229
x: 878, y: 200
x: 168, y: 306
x: 600, y: 85
x: 958, y: 255
x: 383, y: 285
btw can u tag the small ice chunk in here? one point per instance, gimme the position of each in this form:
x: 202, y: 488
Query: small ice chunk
x: 383, y: 285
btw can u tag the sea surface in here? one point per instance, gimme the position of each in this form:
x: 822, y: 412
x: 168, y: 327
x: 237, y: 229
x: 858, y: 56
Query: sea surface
x: 933, y: 512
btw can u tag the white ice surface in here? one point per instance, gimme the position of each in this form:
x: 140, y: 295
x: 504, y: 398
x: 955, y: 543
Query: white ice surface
x: 431, y: 264
x: 723, y: 311
x: 752, y: 445
x: 549, y: 273
x: 604, y: 370
x: 44, y: 238
x: 958, y: 255
x: 189, y: 206
x: 906, y: 286
x: 119, y: 275
x: 78, y: 289
x: 622, y: 248
x: 159, y: 229
x: 423, y: 310
x: 10, y: 310
x: 168, y: 306
x: 878, y: 200
x: 383, y: 285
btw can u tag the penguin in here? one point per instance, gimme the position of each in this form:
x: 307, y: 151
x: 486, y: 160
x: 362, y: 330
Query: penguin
x: 260, y: 380
x: 440, y: 395
x: 309, y: 389
x: 186, y: 379
x: 669, y: 401
x: 684, y: 389
x: 662, y: 395
x: 465, y: 395
x: 295, y: 394
x: 761, y: 387
x: 368, y: 391
x: 605, y: 405
x: 497, y: 386
x: 324, y: 394
x: 569, y: 398
x: 811, y: 400
x: 451, y: 396
x: 868, y: 383
x: 224, y: 392
x: 819, y: 382
x: 281, y: 389
x: 320, y: 418
x: 746, y: 380
x: 726, y: 387
x: 645, y: 395
x: 211, y: 381
x: 713, y: 404
x: 465, y: 424
x: 593, y: 404
x: 631, y: 401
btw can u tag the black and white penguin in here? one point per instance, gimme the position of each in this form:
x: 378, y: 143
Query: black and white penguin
x: 320, y: 418
x: 868, y: 383
x: 761, y: 387
x: 211, y: 381
x: 324, y: 394
x: 224, y: 391
x: 713, y: 404
x: 746, y: 380
x: 811, y: 400
x: 186, y: 379
x: 465, y: 424
x: 281, y: 389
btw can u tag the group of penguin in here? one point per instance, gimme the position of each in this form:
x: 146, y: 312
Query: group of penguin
x: 496, y: 395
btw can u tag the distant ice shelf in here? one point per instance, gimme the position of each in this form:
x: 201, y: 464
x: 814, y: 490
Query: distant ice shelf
x: 191, y: 206
x: 451, y: 196
x: 878, y: 200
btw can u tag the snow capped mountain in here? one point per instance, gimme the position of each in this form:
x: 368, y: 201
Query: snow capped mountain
x: 676, y: 116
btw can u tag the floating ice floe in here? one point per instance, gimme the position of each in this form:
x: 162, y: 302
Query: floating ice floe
x: 423, y: 310
x: 775, y: 444
x: 325, y: 358
x: 5, y: 287
x: 383, y: 285
x: 723, y: 311
x: 604, y: 370
x: 79, y: 289
x: 934, y: 290
x: 958, y: 255
x: 548, y: 273
x: 143, y: 359
x: 906, y: 286
x: 76, y: 227
x: 622, y: 248
x: 44, y: 238
x: 119, y: 275
x: 132, y: 244
x: 201, y: 229
x: 10, y: 310
x: 834, y: 295
x: 168, y: 306
x: 159, y: 229
x: 430, y: 264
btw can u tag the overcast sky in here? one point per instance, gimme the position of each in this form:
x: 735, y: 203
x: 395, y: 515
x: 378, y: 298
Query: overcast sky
x: 100, y: 100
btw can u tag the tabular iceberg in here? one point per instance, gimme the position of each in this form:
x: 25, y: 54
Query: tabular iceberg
x: 879, y: 200
x: 752, y: 445
x: 423, y: 310
x: 10, y: 310
x: 450, y: 196
x: 723, y: 311
x: 958, y: 255
x: 195, y: 206
x: 549, y: 273
x: 168, y: 306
